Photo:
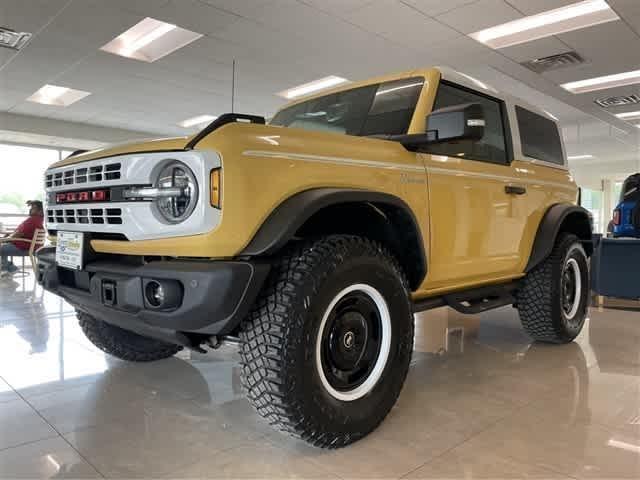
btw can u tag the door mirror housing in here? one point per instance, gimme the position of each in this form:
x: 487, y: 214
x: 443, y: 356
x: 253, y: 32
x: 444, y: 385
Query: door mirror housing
x: 460, y: 122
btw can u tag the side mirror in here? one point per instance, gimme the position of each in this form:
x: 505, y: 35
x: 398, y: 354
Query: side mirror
x: 460, y: 122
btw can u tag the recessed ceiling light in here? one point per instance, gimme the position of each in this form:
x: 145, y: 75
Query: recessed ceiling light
x: 59, y: 96
x: 200, y: 119
x: 629, y: 115
x: 601, y: 83
x: 552, y: 22
x: 149, y: 40
x: 579, y: 157
x: 311, y: 87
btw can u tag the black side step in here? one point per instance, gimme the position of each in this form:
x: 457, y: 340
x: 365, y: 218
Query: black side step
x: 472, y: 301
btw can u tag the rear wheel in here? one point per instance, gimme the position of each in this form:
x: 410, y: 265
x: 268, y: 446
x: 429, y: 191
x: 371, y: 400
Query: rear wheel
x: 554, y: 300
x: 327, y: 348
x: 123, y: 344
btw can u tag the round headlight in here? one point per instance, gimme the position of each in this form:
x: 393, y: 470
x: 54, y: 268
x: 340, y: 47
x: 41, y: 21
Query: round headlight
x: 176, y: 207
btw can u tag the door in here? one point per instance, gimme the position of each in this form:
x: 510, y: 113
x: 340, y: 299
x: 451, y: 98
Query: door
x: 476, y: 218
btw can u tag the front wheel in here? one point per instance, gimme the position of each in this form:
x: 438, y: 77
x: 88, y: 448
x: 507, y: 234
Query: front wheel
x: 554, y: 299
x: 327, y: 348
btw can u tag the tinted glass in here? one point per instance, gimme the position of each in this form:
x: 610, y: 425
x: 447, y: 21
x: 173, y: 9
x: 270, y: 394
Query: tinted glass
x: 393, y: 107
x: 492, y: 146
x: 385, y: 108
x: 539, y: 137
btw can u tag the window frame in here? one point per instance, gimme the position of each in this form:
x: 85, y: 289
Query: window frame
x: 504, y: 115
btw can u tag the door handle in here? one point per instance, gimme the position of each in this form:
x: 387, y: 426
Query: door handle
x: 515, y: 190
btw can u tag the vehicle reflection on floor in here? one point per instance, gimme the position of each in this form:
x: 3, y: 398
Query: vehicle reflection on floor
x: 480, y: 401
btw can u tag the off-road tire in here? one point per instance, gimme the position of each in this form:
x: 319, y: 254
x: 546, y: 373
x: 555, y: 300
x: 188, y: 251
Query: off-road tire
x: 539, y: 301
x: 280, y: 367
x: 123, y: 344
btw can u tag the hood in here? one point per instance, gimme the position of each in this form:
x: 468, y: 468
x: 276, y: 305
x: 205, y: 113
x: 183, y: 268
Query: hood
x: 177, y: 143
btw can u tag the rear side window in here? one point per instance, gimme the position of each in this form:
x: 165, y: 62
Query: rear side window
x: 539, y: 137
x: 380, y: 109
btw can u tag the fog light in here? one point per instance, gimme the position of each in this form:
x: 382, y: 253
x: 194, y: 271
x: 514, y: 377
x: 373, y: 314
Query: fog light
x: 155, y: 293
x: 162, y: 294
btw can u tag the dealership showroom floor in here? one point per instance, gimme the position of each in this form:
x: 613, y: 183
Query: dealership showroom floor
x: 539, y: 101
x: 481, y: 401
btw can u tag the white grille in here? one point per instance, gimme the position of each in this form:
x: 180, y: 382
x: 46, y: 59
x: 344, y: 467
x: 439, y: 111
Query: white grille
x: 96, y: 216
x: 136, y: 220
x: 83, y: 175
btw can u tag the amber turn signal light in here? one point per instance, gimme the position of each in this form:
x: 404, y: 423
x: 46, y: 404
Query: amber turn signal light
x: 216, y: 185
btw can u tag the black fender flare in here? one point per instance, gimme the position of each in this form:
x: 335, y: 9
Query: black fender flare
x: 288, y: 217
x: 550, y: 226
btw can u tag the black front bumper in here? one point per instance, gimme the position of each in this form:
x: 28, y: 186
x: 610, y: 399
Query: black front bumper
x: 214, y: 296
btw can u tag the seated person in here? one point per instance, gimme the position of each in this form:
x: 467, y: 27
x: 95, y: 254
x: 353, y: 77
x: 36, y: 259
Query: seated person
x: 26, y: 230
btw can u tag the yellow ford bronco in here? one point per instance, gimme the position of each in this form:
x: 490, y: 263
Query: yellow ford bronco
x: 312, y: 240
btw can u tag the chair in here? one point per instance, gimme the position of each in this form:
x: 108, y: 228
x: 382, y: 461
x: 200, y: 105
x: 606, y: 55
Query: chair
x: 38, y: 240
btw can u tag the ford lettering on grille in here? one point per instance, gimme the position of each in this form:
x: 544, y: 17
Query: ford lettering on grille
x: 82, y: 196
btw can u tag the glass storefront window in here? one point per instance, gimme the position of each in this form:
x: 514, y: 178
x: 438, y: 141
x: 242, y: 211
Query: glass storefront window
x: 592, y: 200
x: 21, y: 178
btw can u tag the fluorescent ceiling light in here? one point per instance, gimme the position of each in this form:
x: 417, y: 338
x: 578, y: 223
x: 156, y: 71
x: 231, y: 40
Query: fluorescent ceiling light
x: 601, y: 83
x: 200, y: 119
x: 311, y: 87
x: 149, y: 40
x: 552, y: 22
x: 630, y: 447
x: 59, y: 96
x: 628, y: 115
x: 579, y: 157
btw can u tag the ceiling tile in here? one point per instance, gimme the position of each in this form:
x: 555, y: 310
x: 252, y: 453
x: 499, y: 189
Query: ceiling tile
x: 75, y: 23
x: 543, y: 47
x: 479, y: 15
x: 529, y: 7
x: 10, y: 97
x: 402, y: 25
x: 193, y: 15
x: 244, y: 9
x: 603, y: 57
x: 339, y: 7
x: 629, y: 10
x: 29, y: 16
x: 436, y: 7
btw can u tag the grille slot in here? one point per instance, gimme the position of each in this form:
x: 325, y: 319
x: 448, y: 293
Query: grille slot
x: 112, y: 216
x: 554, y: 62
x: 73, y: 176
x: 617, y: 101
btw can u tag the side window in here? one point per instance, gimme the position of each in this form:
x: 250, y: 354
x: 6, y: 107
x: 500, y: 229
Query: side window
x: 393, y: 107
x: 539, y: 137
x: 492, y: 147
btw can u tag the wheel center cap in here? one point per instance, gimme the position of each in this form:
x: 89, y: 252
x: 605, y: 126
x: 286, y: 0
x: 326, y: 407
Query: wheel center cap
x: 348, y: 340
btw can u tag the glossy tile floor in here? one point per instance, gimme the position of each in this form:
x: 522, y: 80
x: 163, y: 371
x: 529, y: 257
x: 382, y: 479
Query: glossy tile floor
x: 481, y: 401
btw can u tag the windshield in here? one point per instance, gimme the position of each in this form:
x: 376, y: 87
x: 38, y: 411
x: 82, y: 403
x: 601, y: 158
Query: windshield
x: 379, y: 109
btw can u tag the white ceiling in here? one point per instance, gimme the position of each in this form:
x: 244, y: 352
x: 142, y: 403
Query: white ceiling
x: 281, y: 43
